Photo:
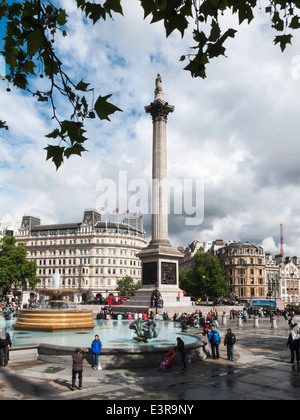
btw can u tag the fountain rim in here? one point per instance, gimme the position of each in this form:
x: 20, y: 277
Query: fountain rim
x: 112, y: 350
x: 62, y: 292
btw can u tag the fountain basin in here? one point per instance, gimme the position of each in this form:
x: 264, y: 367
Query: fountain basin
x: 119, y: 349
x: 54, y: 320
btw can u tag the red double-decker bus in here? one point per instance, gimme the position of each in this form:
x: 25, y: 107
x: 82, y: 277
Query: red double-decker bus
x: 117, y: 300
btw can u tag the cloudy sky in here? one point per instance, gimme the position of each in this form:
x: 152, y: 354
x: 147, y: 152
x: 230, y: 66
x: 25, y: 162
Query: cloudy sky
x: 237, y: 132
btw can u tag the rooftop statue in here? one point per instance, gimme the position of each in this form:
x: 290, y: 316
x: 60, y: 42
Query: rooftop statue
x: 158, y: 84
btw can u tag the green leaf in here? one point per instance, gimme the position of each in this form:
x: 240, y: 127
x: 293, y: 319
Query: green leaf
x: 94, y: 11
x: 55, y: 153
x: 82, y: 86
x: 54, y: 134
x: 20, y: 81
x: 77, y: 149
x: 113, y: 5
x: 104, y: 108
x: 149, y: 7
x: 74, y: 131
x: 215, y: 31
x: 61, y: 17
x: 295, y: 23
x: 29, y: 67
x: 3, y: 125
x: 283, y: 40
x: 245, y: 13
x: 35, y: 42
x: 197, y: 66
x: 176, y: 22
x: 278, y: 22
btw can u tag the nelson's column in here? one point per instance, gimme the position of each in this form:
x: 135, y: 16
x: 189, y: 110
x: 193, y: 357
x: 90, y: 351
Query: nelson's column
x: 160, y: 261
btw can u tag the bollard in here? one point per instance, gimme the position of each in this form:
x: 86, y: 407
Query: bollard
x: 256, y: 324
x: 273, y: 322
x: 224, y: 320
x: 240, y: 322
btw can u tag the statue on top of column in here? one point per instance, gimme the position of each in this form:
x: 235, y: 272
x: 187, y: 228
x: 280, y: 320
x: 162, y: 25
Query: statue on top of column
x: 158, y: 84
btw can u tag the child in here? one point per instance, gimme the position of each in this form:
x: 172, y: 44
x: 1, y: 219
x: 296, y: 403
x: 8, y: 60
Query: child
x: 168, y: 361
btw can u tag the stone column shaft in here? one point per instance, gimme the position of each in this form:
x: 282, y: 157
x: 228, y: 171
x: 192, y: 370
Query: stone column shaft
x: 159, y: 110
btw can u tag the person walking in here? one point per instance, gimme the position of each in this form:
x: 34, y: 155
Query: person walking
x: 181, y: 349
x: 294, y: 345
x: 78, y: 358
x: 215, y: 340
x: 230, y: 340
x: 5, y: 345
x: 96, y: 350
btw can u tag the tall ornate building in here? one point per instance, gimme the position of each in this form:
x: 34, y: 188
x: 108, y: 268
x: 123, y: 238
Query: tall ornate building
x: 91, y: 255
x: 290, y: 280
x: 283, y: 276
x: 245, y: 269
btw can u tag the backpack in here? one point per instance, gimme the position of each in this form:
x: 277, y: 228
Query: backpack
x: 3, y: 342
x: 215, y: 339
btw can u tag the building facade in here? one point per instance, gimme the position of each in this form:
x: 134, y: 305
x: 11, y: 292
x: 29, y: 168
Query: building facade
x: 90, y: 255
x: 273, y: 276
x: 290, y: 280
x: 283, y: 277
x: 245, y: 268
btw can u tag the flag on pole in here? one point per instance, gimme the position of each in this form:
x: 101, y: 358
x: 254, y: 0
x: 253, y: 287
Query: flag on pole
x: 134, y: 214
x: 140, y: 217
x: 116, y: 211
x: 102, y: 208
x: 126, y: 212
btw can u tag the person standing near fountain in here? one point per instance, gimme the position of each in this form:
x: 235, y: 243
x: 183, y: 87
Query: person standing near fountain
x: 96, y: 350
x: 5, y: 344
x: 77, y: 357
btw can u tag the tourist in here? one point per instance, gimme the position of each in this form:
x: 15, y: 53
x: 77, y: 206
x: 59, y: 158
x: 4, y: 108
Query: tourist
x: 205, y: 329
x: 216, y: 324
x: 215, y: 340
x: 5, y: 345
x: 181, y: 349
x: 291, y: 322
x: 78, y: 358
x: 184, y: 327
x: 96, y: 350
x: 230, y: 340
x: 293, y: 344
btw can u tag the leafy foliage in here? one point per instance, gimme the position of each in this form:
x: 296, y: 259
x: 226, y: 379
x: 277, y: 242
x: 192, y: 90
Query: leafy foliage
x: 29, y: 49
x: 126, y: 286
x: 205, y: 278
x: 31, y: 27
x: 15, y: 269
x: 207, y: 14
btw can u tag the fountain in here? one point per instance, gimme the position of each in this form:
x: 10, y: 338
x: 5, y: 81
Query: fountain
x: 57, y: 314
x: 144, y: 329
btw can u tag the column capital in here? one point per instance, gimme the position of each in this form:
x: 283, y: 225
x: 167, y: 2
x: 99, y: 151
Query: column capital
x: 159, y: 110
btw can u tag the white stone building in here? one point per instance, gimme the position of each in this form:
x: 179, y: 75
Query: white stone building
x: 91, y: 255
x: 283, y: 275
